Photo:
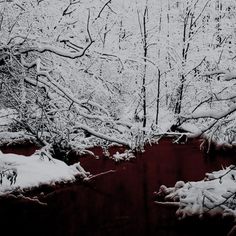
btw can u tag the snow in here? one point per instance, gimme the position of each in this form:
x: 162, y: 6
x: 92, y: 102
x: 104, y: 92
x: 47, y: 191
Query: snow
x: 15, y: 137
x: 191, y: 128
x: 20, y: 172
x: 102, y: 93
x: 126, y: 156
x: 214, y: 195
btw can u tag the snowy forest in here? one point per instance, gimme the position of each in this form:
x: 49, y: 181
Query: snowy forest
x: 120, y: 71
x: 75, y: 74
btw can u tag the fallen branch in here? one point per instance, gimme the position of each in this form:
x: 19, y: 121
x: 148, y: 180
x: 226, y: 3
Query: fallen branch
x: 100, y: 174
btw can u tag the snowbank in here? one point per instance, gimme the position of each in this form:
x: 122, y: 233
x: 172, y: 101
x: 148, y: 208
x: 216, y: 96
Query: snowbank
x: 216, y: 194
x: 19, y: 172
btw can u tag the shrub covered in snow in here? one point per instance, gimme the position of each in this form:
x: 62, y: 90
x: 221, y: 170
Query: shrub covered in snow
x: 216, y: 194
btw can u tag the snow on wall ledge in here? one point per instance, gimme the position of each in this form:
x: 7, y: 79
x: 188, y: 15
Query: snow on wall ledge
x: 216, y: 194
x: 19, y: 172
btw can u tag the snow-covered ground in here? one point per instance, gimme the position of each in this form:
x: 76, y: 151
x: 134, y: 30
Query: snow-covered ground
x: 19, y: 172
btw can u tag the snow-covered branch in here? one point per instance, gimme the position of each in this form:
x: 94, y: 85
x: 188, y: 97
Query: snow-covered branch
x: 100, y: 135
x: 57, y: 50
x: 215, y: 194
x: 227, y: 75
x: 212, y: 114
x: 102, y: 9
x: 57, y: 87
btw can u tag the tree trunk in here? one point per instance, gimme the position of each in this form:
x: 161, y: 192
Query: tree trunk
x: 145, y: 50
x: 158, y: 95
